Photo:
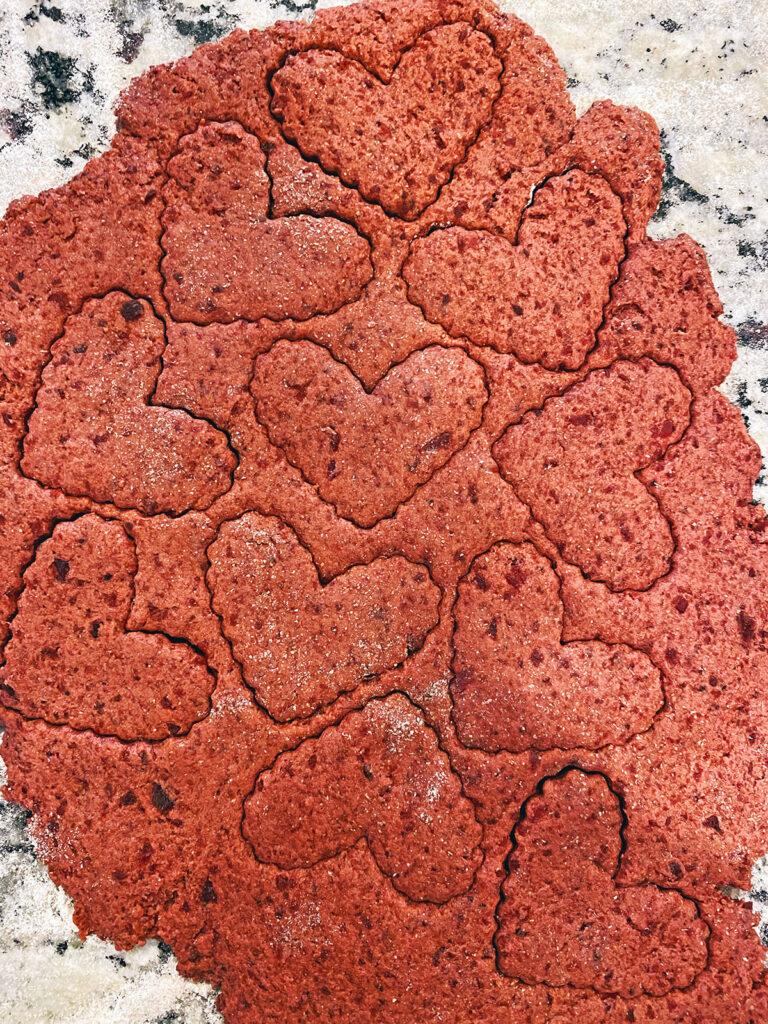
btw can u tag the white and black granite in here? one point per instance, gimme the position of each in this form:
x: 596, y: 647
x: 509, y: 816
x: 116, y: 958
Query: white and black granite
x: 701, y: 70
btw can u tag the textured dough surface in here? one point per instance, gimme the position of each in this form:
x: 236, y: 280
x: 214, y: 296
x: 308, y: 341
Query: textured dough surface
x: 382, y: 602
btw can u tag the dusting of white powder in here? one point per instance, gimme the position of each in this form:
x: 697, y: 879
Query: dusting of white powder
x: 699, y: 69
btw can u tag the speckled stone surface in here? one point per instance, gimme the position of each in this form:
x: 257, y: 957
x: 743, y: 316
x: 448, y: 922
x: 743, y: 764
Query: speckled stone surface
x: 698, y: 73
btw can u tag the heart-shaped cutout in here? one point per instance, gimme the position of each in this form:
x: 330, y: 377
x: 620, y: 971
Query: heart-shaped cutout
x: 574, y: 462
x: 517, y: 686
x: 370, y: 776
x: 564, y: 920
x: 227, y: 259
x: 398, y: 142
x: 541, y: 298
x: 93, y: 432
x: 70, y: 659
x: 665, y: 306
x: 300, y: 643
x: 367, y: 452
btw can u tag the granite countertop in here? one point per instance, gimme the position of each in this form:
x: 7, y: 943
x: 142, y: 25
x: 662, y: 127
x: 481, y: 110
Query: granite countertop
x: 700, y: 71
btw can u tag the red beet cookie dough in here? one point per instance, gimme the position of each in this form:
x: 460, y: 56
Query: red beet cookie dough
x: 382, y: 602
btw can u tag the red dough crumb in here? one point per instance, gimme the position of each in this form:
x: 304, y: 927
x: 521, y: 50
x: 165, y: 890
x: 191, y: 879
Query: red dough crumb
x: 382, y: 602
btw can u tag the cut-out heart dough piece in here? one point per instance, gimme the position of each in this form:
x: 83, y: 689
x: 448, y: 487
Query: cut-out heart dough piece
x: 367, y: 452
x: 665, y: 306
x: 398, y: 142
x: 517, y: 686
x: 541, y: 298
x: 574, y: 462
x: 70, y: 660
x: 92, y: 433
x: 563, y: 919
x: 300, y: 643
x: 378, y: 775
x: 226, y: 259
